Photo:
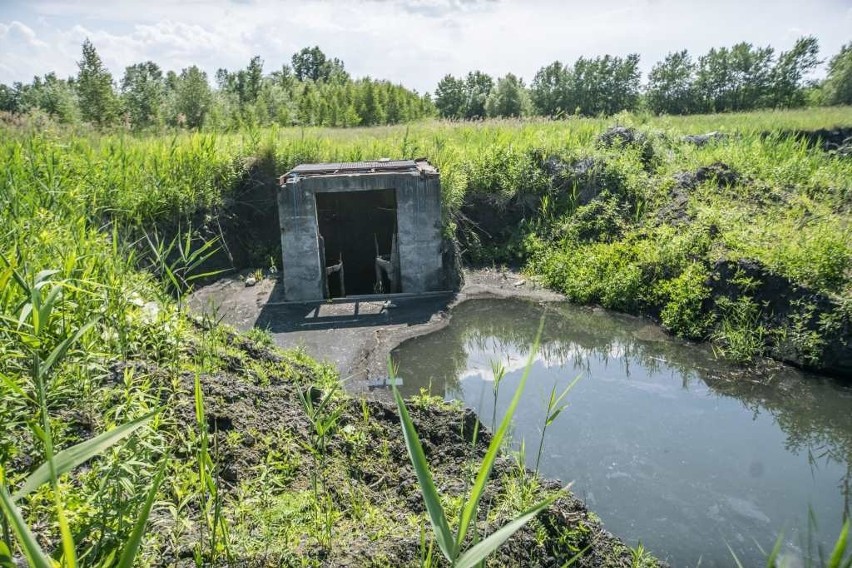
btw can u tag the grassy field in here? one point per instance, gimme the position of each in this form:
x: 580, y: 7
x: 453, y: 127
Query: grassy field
x: 635, y: 225
x: 639, y: 227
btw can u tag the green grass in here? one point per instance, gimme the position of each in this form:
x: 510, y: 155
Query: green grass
x: 80, y: 204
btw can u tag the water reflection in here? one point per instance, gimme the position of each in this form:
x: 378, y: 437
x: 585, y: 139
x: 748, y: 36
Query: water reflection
x: 667, y: 444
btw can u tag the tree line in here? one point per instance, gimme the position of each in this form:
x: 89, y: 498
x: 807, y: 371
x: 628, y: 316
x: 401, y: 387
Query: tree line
x: 738, y: 78
x: 313, y: 90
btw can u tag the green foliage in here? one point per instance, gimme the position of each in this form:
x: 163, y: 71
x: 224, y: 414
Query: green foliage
x: 449, y: 544
x: 508, y: 99
x: 451, y: 98
x: 837, y: 89
x: 602, y: 273
x: 318, y: 91
x: 143, y: 92
x: 464, y: 98
x: 740, y: 336
x: 46, y: 342
x: 192, y: 98
x: 790, y: 71
x: 98, y: 103
x: 603, y: 85
x: 738, y: 78
x: 315, y: 91
x: 683, y: 303
x: 671, y: 88
x: 311, y: 64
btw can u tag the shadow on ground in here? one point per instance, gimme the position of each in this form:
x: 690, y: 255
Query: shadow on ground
x: 278, y: 317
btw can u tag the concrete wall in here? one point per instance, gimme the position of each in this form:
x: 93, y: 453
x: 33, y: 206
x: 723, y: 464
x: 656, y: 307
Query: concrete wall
x: 418, y: 202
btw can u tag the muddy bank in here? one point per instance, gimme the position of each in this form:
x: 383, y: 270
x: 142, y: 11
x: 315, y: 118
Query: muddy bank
x: 355, y: 336
x: 481, y: 283
x: 252, y: 419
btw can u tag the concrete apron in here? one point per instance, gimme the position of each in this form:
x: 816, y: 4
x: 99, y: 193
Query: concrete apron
x: 353, y: 334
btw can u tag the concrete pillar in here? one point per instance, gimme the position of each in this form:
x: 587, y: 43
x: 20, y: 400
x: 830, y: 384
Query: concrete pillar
x: 301, y: 269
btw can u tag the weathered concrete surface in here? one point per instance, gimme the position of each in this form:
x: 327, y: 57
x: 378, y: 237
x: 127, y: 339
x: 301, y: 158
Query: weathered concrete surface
x: 355, y: 337
x: 418, y: 204
x: 301, y: 267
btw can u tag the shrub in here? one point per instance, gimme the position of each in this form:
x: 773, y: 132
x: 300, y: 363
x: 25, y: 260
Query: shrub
x: 684, y: 297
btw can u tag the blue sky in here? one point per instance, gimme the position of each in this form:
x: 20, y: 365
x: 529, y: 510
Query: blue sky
x: 414, y: 42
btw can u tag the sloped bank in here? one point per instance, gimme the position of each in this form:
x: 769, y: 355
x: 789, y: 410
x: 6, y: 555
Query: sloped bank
x: 626, y: 226
x: 254, y: 415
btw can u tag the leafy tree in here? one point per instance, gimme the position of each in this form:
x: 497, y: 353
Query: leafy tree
x: 509, y: 98
x: 451, y: 98
x: 143, y: 93
x: 250, y: 80
x: 751, y: 71
x: 311, y: 64
x: 837, y: 88
x: 477, y: 86
x: 308, y: 63
x: 370, y: 108
x: 671, y: 85
x: 604, y: 85
x: 50, y: 94
x: 193, y: 98
x: 738, y: 78
x: 623, y: 83
x: 10, y: 99
x: 550, y: 90
x: 791, y: 69
x: 714, y: 78
x: 284, y: 77
x: 98, y: 103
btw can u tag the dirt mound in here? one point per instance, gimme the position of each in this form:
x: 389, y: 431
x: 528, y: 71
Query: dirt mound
x: 721, y: 174
x: 248, y: 421
x: 828, y: 139
x: 802, y: 314
x: 488, y: 222
x: 844, y: 150
x: 676, y: 211
x: 703, y: 139
x: 583, y: 179
x: 620, y: 136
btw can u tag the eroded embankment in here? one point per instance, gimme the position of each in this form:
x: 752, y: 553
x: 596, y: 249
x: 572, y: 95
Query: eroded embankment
x: 715, y: 252
x: 608, y: 206
x: 265, y: 460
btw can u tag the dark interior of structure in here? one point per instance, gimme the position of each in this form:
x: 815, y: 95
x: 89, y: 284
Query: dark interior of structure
x: 351, y: 224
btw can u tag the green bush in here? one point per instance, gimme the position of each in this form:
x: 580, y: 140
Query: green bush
x: 684, y: 297
x: 598, y: 273
x: 740, y: 336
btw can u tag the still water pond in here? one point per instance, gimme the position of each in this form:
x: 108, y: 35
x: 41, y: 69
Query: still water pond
x: 660, y: 442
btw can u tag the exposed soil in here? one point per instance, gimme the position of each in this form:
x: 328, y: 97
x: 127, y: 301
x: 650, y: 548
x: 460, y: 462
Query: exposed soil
x: 626, y: 136
x: 783, y: 300
x: 836, y: 140
x: 269, y: 418
x: 355, y: 336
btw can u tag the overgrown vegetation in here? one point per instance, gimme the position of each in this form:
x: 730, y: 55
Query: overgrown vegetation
x: 264, y: 459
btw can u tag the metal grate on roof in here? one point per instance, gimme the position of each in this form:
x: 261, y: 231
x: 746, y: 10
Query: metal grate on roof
x: 354, y: 167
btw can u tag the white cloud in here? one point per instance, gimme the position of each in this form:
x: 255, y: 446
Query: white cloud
x: 16, y: 31
x: 414, y: 42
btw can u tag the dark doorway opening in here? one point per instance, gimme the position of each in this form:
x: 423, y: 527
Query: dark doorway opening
x: 352, y: 224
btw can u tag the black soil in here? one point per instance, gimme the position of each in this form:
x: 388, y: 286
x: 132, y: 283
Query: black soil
x: 260, y: 413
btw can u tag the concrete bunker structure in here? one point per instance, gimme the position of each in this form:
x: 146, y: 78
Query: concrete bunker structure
x: 357, y: 228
